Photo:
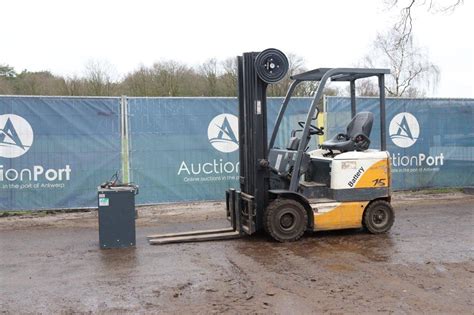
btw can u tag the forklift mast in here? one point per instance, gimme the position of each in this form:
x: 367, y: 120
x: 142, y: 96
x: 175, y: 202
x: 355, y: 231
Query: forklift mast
x: 255, y: 72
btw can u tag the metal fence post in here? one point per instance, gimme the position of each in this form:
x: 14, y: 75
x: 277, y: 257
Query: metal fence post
x: 322, y: 121
x: 124, y: 139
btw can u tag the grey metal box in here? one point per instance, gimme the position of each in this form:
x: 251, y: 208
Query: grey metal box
x: 117, y: 217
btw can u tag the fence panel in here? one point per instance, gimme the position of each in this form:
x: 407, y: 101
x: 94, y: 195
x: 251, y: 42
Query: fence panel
x: 431, y: 141
x: 184, y: 149
x: 55, y: 151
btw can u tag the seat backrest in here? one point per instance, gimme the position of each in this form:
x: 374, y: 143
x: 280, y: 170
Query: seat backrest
x: 360, y: 124
x: 293, y: 143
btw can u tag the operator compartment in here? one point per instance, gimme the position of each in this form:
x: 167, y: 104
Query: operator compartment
x: 319, y: 169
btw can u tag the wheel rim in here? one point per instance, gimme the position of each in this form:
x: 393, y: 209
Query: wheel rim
x: 380, y: 217
x: 287, y: 221
x: 271, y: 65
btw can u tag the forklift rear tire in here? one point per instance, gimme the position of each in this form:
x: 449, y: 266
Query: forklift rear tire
x: 285, y: 220
x: 378, y: 217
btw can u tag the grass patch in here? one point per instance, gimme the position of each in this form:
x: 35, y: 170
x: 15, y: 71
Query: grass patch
x: 14, y: 213
x: 39, y: 213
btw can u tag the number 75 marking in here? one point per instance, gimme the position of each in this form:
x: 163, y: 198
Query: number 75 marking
x: 379, y: 182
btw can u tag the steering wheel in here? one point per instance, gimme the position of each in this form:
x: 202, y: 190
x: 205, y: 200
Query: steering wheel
x: 313, y: 130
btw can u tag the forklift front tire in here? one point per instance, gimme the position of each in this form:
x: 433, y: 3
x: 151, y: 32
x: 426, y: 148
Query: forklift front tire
x: 378, y: 217
x: 285, y: 220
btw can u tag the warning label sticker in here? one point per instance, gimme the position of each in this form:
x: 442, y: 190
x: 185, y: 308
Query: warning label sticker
x: 103, y: 202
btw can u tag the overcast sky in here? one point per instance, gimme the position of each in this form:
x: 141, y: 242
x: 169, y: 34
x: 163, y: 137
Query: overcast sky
x: 62, y: 36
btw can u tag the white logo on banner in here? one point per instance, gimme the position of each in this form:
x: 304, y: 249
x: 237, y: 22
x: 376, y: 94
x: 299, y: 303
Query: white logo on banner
x: 223, y: 133
x: 404, y: 130
x: 16, y: 136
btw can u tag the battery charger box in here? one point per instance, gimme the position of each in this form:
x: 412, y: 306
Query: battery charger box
x: 117, y: 216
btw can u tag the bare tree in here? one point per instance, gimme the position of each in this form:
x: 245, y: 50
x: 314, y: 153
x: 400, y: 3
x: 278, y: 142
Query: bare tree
x: 7, y: 74
x: 406, y: 7
x: 412, y: 73
x: 164, y: 78
x: 169, y: 76
x: 139, y: 83
x: 38, y: 83
x: 74, y: 86
x: 6, y: 87
x: 99, y: 77
x: 366, y: 87
x: 209, y: 71
x: 229, y: 77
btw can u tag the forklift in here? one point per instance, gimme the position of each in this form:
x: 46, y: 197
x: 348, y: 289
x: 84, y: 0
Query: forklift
x: 285, y: 191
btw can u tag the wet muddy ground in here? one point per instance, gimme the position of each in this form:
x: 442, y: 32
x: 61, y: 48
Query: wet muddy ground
x: 424, y: 264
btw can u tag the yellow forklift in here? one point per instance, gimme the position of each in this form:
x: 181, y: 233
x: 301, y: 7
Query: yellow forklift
x: 288, y: 190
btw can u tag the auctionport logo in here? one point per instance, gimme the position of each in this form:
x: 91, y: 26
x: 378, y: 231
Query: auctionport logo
x: 16, y: 136
x: 404, y: 130
x: 223, y: 133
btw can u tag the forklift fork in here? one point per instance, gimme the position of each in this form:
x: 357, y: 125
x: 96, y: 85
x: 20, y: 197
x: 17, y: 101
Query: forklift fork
x: 239, y: 211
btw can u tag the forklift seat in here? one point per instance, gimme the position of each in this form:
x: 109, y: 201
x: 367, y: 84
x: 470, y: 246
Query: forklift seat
x: 293, y: 144
x: 356, y: 137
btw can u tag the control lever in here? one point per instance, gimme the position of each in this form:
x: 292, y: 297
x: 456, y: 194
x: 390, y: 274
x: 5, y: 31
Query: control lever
x: 266, y: 164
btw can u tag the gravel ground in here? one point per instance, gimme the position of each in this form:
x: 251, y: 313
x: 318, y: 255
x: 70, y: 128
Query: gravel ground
x: 52, y: 264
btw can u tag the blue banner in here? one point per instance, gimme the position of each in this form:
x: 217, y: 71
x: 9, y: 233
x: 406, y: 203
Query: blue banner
x: 184, y: 149
x: 431, y: 141
x: 55, y: 151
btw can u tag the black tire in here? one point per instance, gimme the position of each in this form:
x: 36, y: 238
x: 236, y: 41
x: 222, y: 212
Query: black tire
x: 378, y: 217
x: 285, y: 220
